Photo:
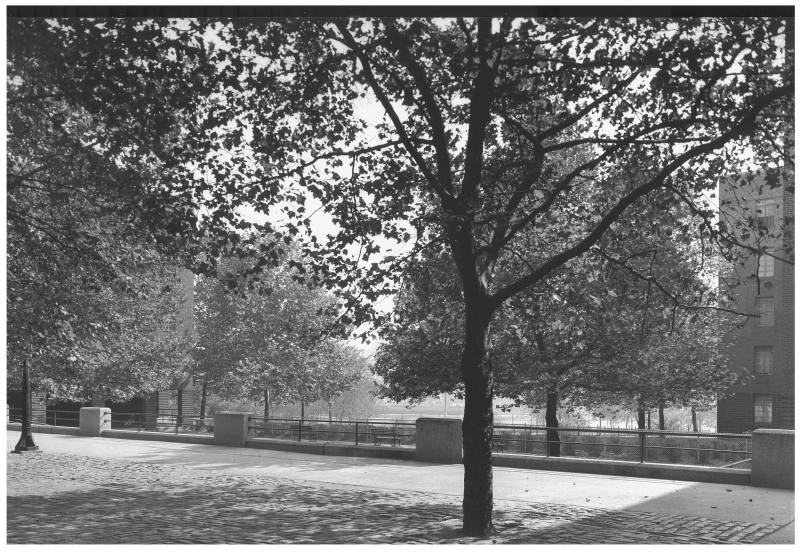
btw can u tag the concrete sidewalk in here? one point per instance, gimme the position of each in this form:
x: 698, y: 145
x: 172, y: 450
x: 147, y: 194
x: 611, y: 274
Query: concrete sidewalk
x: 734, y: 504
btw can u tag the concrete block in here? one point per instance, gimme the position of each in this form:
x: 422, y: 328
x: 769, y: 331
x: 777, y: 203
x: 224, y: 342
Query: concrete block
x: 94, y: 420
x: 230, y: 428
x: 439, y: 440
x: 773, y: 458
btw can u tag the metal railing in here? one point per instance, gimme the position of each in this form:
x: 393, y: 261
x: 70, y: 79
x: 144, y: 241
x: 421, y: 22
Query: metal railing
x: 163, y: 422
x: 64, y: 418
x: 358, y: 432
x: 725, y: 450
x: 633, y: 445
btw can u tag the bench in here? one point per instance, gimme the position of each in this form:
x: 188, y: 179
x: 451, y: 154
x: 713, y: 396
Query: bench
x: 298, y: 432
x: 384, y: 434
x: 497, y: 443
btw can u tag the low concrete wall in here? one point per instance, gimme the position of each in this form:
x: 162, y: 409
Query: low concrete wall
x: 231, y: 428
x: 700, y: 474
x: 439, y: 440
x: 94, y: 420
x: 39, y: 428
x: 159, y: 436
x: 332, y: 448
x: 773, y: 458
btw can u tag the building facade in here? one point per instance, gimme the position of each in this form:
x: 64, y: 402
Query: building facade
x: 761, y: 284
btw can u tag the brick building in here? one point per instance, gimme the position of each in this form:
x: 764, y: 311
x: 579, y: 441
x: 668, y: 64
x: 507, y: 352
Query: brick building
x: 764, y: 286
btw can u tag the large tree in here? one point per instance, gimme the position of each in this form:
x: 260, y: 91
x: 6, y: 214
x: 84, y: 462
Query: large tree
x: 478, y: 121
x: 90, y: 299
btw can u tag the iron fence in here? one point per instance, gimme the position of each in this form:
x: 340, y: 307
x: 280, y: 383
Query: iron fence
x: 633, y: 445
x: 726, y: 450
x: 164, y: 421
x: 15, y: 415
x: 66, y: 418
x: 358, y: 432
x: 63, y: 418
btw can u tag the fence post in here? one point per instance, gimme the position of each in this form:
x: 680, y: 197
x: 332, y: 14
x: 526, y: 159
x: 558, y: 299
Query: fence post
x: 93, y: 420
x: 547, y: 440
x: 698, y: 449
x: 231, y: 428
x: 642, y: 445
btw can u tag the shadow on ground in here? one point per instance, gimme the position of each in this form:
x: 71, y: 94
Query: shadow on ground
x: 228, y: 512
x: 71, y: 499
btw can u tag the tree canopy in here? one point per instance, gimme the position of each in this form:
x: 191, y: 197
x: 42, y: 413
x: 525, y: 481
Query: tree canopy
x: 90, y: 298
x: 275, y: 338
x: 476, y: 145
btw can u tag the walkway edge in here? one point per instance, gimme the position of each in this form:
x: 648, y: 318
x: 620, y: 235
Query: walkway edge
x: 697, y: 474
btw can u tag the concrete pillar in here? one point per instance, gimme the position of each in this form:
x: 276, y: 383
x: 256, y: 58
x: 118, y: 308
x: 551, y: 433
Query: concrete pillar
x: 773, y: 458
x: 93, y: 420
x: 439, y: 440
x: 230, y: 428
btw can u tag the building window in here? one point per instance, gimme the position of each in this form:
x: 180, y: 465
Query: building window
x: 766, y: 266
x: 765, y: 211
x: 763, y: 360
x: 765, y: 308
x: 762, y: 409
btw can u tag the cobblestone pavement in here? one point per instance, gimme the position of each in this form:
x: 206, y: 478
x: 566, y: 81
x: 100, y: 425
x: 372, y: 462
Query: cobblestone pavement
x: 69, y: 499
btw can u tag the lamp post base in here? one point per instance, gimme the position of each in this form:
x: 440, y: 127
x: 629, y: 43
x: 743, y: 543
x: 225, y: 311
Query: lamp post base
x: 25, y: 444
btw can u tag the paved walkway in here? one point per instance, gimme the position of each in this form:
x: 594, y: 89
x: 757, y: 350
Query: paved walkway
x: 100, y: 490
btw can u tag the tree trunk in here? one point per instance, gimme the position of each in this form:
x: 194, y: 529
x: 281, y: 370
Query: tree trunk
x: 640, y: 420
x: 302, y: 412
x: 476, y: 428
x: 266, y: 404
x: 330, y: 411
x: 661, y: 422
x: 649, y: 420
x: 179, y: 418
x: 551, y: 421
x: 694, y: 419
x: 203, y: 395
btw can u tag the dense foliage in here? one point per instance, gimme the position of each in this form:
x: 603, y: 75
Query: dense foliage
x: 493, y: 134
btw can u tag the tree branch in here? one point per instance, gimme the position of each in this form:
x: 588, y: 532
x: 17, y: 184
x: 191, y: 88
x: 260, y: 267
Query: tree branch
x: 746, y: 122
x: 366, y: 69
x: 429, y: 101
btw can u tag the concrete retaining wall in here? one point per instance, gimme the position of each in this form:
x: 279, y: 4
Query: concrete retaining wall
x: 773, y: 458
x: 700, y: 474
x: 40, y: 428
x: 231, y: 428
x: 94, y: 420
x: 332, y: 448
x: 439, y: 440
x: 159, y: 436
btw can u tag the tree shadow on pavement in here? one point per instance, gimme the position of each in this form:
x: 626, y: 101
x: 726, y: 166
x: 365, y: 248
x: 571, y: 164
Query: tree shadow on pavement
x: 229, y: 512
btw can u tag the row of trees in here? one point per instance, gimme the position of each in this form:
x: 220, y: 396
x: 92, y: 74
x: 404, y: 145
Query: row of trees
x: 514, y: 145
x: 93, y: 285
x: 274, y: 340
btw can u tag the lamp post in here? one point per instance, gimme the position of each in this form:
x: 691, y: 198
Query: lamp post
x: 25, y: 443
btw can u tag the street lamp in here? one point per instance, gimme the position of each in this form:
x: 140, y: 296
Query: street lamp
x: 25, y: 443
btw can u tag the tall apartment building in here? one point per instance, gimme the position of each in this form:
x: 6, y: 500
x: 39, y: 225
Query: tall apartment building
x: 764, y: 286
